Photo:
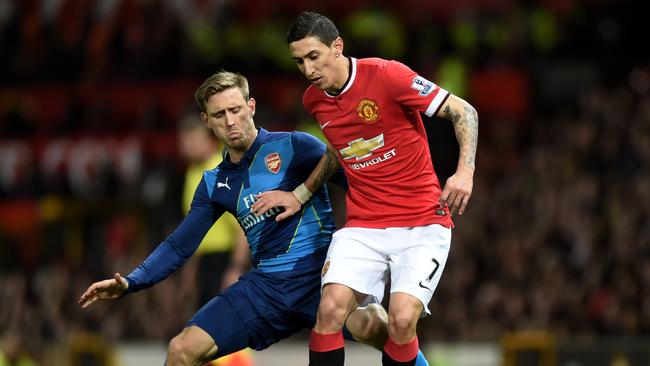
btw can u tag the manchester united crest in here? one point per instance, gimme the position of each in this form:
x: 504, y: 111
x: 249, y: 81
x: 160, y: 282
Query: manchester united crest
x: 273, y: 162
x: 368, y: 110
x: 326, y: 266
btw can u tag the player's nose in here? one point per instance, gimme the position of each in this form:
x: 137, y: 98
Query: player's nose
x: 310, y: 70
x: 230, y: 120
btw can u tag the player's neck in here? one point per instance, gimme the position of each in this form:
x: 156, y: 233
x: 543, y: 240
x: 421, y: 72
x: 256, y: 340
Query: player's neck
x: 235, y: 155
x: 343, y: 69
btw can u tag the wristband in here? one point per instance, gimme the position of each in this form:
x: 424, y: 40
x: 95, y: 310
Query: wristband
x: 302, y: 193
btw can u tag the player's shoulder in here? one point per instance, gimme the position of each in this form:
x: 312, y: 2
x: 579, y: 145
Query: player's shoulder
x: 273, y: 136
x: 210, y: 176
x: 215, y: 170
x: 375, y: 68
x: 371, y: 62
x: 304, y: 137
x: 278, y: 140
x: 375, y: 63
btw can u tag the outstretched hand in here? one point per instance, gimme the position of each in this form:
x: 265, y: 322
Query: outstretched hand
x: 106, y: 289
x: 267, y: 200
x: 457, y: 191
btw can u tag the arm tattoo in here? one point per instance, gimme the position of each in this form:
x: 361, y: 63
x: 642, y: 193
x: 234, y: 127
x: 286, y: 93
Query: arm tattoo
x: 466, y: 128
x: 328, y: 169
x: 331, y: 165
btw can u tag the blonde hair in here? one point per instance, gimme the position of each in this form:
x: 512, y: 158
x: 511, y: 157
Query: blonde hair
x: 217, y: 83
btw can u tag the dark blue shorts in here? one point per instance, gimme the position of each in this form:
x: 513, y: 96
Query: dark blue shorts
x: 259, y: 310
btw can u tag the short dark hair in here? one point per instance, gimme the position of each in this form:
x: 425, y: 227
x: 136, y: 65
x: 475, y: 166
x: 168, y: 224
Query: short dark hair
x: 217, y: 83
x: 310, y: 24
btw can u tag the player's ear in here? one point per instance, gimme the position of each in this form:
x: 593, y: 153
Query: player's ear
x: 204, y: 119
x: 251, y: 106
x: 337, y: 46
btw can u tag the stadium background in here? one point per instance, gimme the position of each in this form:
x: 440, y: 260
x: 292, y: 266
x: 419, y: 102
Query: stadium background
x: 549, y: 266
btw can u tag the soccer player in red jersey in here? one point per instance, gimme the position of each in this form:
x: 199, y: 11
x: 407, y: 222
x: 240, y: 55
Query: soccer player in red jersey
x: 398, y: 223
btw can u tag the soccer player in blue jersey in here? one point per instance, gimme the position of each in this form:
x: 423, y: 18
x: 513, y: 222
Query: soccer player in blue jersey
x: 280, y: 295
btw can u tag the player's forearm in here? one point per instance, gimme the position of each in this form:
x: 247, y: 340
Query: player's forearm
x: 158, y: 265
x: 327, y: 166
x: 465, y: 120
x: 325, y: 169
x: 174, y: 251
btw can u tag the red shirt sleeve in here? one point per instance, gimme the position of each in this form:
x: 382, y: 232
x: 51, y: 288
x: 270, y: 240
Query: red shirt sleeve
x: 409, y: 89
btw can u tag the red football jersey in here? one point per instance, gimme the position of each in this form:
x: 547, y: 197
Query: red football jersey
x: 375, y: 125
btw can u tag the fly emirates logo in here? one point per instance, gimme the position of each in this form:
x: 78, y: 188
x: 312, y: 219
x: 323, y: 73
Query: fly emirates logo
x: 251, y: 219
x: 361, y: 148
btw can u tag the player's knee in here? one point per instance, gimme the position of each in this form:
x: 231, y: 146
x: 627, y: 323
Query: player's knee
x: 179, y: 352
x: 369, y: 325
x: 374, y: 322
x: 331, y: 314
x: 402, y: 325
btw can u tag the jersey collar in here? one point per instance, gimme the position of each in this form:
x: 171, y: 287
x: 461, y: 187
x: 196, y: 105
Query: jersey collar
x: 259, y: 140
x: 348, y: 83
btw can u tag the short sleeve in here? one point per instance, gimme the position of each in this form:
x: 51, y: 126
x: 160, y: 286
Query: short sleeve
x: 409, y: 89
x: 308, y: 151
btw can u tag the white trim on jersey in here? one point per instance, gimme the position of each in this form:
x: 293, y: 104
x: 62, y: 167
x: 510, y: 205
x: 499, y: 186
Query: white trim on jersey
x: 436, y: 102
x: 353, y: 76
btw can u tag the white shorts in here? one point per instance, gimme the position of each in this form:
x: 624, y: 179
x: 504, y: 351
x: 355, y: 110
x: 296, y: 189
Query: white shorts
x: 364, y: 259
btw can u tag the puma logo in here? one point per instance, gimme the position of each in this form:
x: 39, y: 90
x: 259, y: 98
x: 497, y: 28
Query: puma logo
x: 221, y: 185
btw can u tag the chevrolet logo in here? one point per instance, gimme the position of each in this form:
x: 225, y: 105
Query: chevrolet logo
x: 362, y: 148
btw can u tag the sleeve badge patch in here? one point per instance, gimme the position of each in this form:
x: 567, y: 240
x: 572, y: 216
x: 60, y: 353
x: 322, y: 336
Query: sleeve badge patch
x: 422, y: 85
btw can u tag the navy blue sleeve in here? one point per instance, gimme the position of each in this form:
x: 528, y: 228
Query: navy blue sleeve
x: 308, y: 152
x: 174, y: 251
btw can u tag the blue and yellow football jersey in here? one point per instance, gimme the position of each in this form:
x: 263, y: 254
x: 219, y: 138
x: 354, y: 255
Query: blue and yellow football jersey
x: 276, y: 160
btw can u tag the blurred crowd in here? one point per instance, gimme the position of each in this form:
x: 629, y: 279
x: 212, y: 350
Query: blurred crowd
x: 556, y: 236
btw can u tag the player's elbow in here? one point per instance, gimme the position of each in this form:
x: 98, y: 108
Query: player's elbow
x: 465, y: 109
x: 471, y: 113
